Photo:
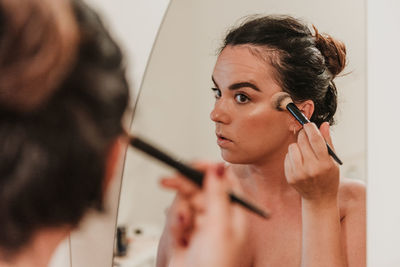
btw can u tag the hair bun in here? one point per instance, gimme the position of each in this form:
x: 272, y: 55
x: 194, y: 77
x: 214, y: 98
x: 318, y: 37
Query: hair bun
x: 38, y: 43
x: 334, y: 52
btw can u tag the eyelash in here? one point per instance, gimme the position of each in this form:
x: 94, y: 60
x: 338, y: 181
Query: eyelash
x: 216, y: 91
x: 217, y: 95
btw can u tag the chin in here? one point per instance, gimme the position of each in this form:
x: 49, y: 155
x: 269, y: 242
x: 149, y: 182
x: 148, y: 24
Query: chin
x: 236, y: 158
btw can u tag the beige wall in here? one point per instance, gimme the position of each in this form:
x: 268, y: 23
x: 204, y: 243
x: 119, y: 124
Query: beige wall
x: 383, y: 134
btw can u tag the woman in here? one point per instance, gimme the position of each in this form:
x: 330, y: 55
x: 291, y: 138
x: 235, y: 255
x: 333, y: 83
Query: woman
x: 63, y: 93
x: 317, y: 219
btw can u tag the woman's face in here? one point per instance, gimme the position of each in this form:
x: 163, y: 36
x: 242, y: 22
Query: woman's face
x: 248, y: 128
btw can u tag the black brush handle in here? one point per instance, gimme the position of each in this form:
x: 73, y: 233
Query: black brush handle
x: 247, y: 205
x: 192, y: 174
x: 300, y: 117
x: 330, y: 151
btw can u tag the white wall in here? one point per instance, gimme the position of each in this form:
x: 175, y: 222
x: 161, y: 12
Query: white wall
x: 383, y: 133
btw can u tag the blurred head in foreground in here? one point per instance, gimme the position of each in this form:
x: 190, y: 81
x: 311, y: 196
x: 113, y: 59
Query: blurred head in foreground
x: 63, y: 93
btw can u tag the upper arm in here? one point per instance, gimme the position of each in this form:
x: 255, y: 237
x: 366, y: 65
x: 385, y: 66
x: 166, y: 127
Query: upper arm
x: 352, y: 197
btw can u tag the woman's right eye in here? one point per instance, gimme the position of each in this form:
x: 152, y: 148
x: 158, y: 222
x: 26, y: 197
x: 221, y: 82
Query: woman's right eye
x: 217, y: 93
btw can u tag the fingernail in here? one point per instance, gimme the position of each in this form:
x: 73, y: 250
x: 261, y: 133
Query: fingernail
x: 180, y: 218
x: 162, y: 181
x: 184, y: 242
x: 220, y: 170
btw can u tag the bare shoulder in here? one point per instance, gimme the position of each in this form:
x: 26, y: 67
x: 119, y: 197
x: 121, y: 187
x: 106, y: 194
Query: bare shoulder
x: 351, y: 194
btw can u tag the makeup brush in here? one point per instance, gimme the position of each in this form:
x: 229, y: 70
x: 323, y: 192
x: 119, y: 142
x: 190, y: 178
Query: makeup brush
x: 192, y: 174
x: 282, y: 101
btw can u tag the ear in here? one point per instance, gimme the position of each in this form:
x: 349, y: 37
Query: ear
x: 112, y: 161
x: 307, y: 108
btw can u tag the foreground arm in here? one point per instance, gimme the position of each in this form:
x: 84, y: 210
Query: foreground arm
x: 203, y: 228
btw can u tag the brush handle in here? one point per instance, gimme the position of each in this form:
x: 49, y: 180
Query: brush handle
x: 192, y: 174
x: 330, y: 152
x: 300, y: 117
x: 234, y: 198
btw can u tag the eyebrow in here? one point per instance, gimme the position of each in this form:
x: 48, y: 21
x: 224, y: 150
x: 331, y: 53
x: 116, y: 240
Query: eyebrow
x: 239, y: 85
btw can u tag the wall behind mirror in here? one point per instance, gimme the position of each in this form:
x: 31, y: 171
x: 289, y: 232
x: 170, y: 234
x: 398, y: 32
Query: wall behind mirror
x: 175, y: 100
x: 383, y: 134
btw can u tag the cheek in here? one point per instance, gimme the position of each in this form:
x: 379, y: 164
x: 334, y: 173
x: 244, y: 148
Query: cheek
x: 261, y: 124
x: 257, y: 137
x: 262, y: 133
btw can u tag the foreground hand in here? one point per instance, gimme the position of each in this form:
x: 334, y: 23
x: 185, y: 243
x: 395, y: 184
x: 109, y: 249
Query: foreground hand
x: 309, y: 168
x: 206, y: 229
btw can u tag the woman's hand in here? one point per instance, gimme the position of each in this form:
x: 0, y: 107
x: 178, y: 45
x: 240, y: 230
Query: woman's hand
x: 310, y: 169
x: 205, y: 229
x: 315, y: 175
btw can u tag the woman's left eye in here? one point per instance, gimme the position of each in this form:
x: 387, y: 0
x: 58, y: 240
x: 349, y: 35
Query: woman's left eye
x: 242, y: 99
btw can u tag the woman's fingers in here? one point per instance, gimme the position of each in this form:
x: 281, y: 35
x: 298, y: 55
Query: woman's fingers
x: 224, y: 219
x: 189, y: 208
x: 215, y: 185
x: 195, y: 209
x: 288, y: 168
x: 316, y: 175
x: 202, y: 165
x: 180, y: 221
x: 181, y: 214
x: 305, y: 147
x: 180, y: 184
x: 295, y: 156
x: 316, y: 140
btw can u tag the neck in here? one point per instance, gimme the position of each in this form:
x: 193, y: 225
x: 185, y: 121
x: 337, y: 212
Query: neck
x: 266, y: 177
x: 39, y: 250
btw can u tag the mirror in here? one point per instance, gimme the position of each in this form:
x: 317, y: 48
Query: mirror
x: 92, y: 243
x: 175, y: 101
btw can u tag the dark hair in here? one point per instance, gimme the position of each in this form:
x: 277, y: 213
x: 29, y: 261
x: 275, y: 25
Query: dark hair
x: 305, y: 64
x: 53, y: 155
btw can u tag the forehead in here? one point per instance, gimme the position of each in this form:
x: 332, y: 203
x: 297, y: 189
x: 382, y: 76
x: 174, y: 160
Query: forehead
x: 244, y: 63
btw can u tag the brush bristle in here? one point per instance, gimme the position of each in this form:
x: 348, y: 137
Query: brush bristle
x: 280, y: 100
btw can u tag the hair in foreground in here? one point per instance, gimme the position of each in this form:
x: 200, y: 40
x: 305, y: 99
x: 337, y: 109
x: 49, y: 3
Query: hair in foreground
x: 60, y: 112
x: 305, y: 63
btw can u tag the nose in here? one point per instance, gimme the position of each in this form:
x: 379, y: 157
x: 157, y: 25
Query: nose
x: 220, y: 113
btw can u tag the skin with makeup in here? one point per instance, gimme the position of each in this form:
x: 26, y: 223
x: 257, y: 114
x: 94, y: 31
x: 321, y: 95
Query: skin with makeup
x: 317, y: 217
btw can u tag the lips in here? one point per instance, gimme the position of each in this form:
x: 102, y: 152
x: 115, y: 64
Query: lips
x: 222, y: 140
x: 220, y: 136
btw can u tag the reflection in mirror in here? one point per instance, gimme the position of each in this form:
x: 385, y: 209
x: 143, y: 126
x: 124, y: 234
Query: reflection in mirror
x: 176, y: 100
